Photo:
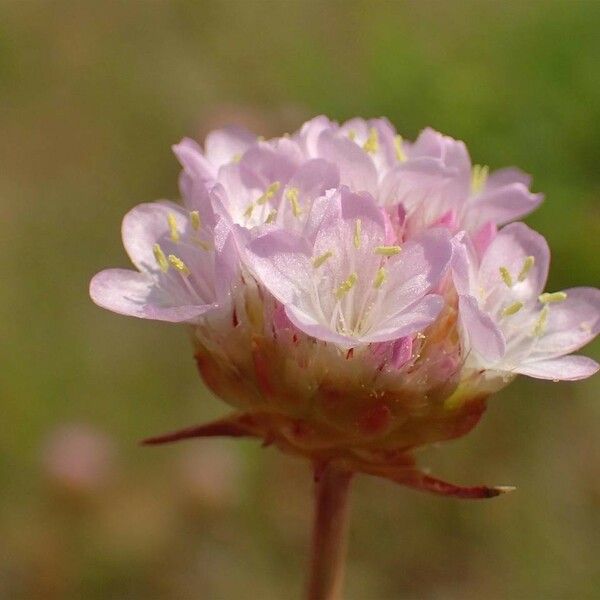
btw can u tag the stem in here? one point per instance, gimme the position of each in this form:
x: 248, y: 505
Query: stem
x: 329, y: 533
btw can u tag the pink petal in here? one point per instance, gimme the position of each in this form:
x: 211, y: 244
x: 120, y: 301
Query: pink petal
x: 461, y: 264
x: 281, y: 261
x: 309, y: 325
x: 262, y: 165
x: 401, y: 352
x: 145, y: 225
x: 430, y: 143
x: 566, y: 368
x: 504, y: 204
x: 571, y: 324
x: 193, y: 161
x: 419, y: 267
x: 357, y: 170
x: 314, y: 178
x: 408, y: 322
x: 484, y: 336
x: 135, y: 294
x: 507, y: 176
x: 483, y: 237
x: 227, y: 259
x: 509, y: 249
x: 222, y: 145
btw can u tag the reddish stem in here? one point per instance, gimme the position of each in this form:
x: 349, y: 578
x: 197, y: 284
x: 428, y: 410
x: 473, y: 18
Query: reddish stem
x: 329, y: 533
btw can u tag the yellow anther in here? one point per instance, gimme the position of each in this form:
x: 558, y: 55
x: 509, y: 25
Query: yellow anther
x: 513, y: 309
x: 178, y: 264
x: 173, y: 227
x: 357, y: 232
x: 292, y: 195
x: 248, y: 211
x: 479, y: 177
x: 379, y: 278
x: 236, y: 158
x: 552, y: 298
x: 542, y: 322
x: 195, y: 220
x: 272, y: 216
x: 319, y: 260
x: 273, y: 188
x: 352, y: 135
x: 346, y: 286
x: 372, y: 144
x: 399, y: 146
x: 527, y: 266
x: 388, y: 250
x: 160, y: 257
x: 506, y: 277
x: 269, y: 192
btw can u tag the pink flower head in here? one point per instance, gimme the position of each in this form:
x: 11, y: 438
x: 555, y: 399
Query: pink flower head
x: 314, y: 271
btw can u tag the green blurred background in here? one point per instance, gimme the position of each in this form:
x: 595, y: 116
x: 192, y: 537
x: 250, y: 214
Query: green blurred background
x: 92, y: 95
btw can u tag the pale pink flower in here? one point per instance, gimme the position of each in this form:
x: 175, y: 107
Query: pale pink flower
x: 186, y: 265
x: 510, y: 324
x: 341, y: 283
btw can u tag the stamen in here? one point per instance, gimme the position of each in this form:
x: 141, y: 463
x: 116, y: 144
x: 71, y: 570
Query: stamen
x: 269, y: 192
x: 552, y: 298
x: 272, y: 216
x: 506, y: 277
x: 292, y: 195
x: 179, y: 265
x: 372, y: 144
x: 357, y: 232
x: 195, y: 220
x: 236, y: 158
x: 513, y: 309
x: 346, y: 286
x: 479, y: 177
x: 542, y: 322
x: 398, y: 145
x: 248, y: 211
x: 388, y: 250
x: 352, y: 135
x: 527, y: 266
x: 160, y: 257
x: 319, y: 260
x: 173, y: 227
x: 379, y: 278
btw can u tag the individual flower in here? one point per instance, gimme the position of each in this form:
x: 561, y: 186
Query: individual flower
x: 186, y: 264
x: 341, y: 283
x: 510, y: 325
x: 436, y: 184
x: 353, y: 296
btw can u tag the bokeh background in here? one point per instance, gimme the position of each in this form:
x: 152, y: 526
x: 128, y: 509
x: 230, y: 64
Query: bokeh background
x: 92, y: 95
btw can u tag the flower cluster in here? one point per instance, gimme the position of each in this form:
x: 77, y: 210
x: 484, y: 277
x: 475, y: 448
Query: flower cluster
x: 354, y: 296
